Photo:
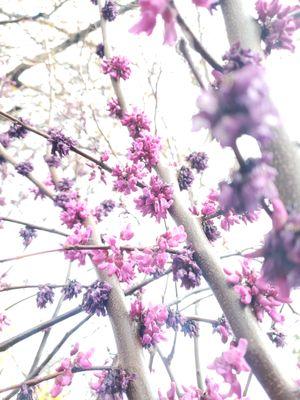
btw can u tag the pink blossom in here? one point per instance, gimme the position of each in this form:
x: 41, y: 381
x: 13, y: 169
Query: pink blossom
x: 136, y: 122
x: 150, y: 9
x: 83, y: 359
x: 145, y: 148
x: 128, y: 177
x: 127, y: 233
x: 230, y: 364
x: 80, y: 236
x: 172, y: 239
x: 117, y: 67
x: 75, y: 212
x: 64, y: 379
x: 151, y: 320
x: 156, y: 199
x: 254, y: 291
x: 114, y: 261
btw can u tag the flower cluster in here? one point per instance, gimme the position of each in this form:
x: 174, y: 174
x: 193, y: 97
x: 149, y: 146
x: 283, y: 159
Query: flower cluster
x: 210, y: 230
x: 71, y: 289
x: 252, y: 183
x: 240, y: 106
x: 231, y: 363
x: 112, y: 383
x: 24, y: 168
x: 65, y: 377
x: 281, y: 251
x: 223, y: 328
x: 28, y: 234
x: 109, y: 11
x: 17, y: 131
x: 95, y: 299
x: 150, y: 9
x: 278, y: 24
x: 128, y: 177
x: 145, y: 148
x: 117, y: 67
x: 150, y: 321
x: 156, y: 199
x: 185, y: 178
x: 80, y: 236
x: 44, y: 296
x: 75, y: 212
x: 186, y: 270
x: 114, y: 261
x: 198, y: 160
x: 136, y: 122
x: 114, y: 109
x: 103, y: 209
x: 237, y: 58
x: 253, y: 291
x: 61, y: 144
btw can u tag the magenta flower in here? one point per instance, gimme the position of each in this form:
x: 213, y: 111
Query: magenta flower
x: 172, y: 239
x: 185, y: 178
x: 64, y: 379
x: 278, y: 24
x: 230, y: 364
x: 128, y: 177
x: 28, y: 234
x: 117, y: 67
x: 150, y: 9
x: 150, y: 321
x: 114, y: 109
x: 75, y: 212
x: 145, y: 148
x: 80, y: 236
x: 136, y: 122
x: 24, y: 168
x: 156, y: 199
x: 186, y: 270
x: 237, y: 58
x: 253, y: 291
x: 17, y: 131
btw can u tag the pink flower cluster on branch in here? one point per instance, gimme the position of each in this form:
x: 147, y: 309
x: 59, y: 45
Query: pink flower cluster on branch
x: 65, y: 369
x: 80, y: 236
x: 117, y: 67
x: 253, y: 291
x: 151, y: 9
x: 230, y: 364
x: 156, y: 199
x: 150, y: 320
x: 278, y: 24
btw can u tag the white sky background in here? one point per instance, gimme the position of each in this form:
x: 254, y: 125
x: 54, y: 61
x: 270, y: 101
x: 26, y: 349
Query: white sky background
x: 176, y: 104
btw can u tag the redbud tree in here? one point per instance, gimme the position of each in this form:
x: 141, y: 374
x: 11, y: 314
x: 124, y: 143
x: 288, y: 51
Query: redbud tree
x: 150, y: 201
